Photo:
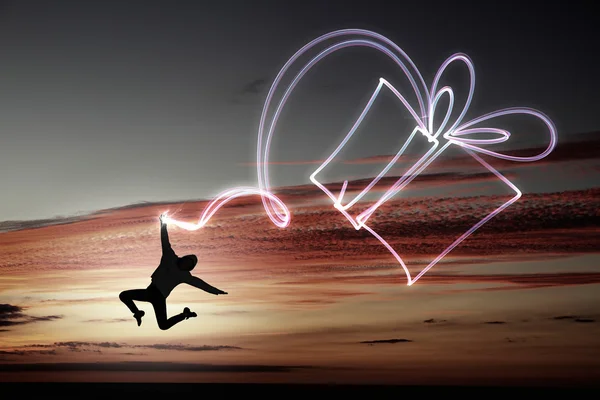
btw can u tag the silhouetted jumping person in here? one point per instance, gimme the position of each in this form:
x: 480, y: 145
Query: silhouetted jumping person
x: 172, y: 271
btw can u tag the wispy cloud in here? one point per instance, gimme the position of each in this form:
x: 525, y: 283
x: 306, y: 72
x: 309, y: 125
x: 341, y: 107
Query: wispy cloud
x: 386, y: 341
x: 584, y: 320
x: 298, y: 162
x: 181, y: 347
x: 28, y: 352
x: 574, y: 318
x: 11, y: 315
x: 94, y: 300
x: 254, y: 87
x: 499, y: 281
x: 381, y: 159
x: 109, y: 320
x: 584, y: 147
x: 7, y: 226
x: 146, y: 367
x: 434, y: 321
x: 76, y: 346
x: 249, y: 91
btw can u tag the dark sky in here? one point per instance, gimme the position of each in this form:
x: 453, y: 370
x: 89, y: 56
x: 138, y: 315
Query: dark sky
x: 109, y: 103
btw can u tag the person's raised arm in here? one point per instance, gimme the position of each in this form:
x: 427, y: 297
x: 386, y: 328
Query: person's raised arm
x: 164, y: 236
x: 200, y: 284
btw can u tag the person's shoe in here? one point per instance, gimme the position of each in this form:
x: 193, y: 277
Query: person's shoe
x: 138, y: 317
x: 188, y: 314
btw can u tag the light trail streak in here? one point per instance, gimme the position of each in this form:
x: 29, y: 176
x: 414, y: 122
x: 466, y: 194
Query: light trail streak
x: 440, y: 139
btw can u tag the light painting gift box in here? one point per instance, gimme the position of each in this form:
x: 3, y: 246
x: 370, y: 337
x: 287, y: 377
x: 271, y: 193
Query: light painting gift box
x: 448, y: 133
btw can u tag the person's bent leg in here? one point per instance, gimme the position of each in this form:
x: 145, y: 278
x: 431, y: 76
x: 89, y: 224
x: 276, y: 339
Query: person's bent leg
x: 128, y: 296
x: 172, y: 321
x: 160, y: 310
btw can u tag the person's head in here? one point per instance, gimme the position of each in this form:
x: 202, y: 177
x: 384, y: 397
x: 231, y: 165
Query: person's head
x: 187, y: 263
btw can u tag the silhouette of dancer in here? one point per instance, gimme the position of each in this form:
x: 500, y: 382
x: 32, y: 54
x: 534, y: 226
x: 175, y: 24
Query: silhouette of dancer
x: 172, y: 271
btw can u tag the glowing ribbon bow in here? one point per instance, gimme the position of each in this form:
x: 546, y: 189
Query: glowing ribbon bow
x: 440, y: 139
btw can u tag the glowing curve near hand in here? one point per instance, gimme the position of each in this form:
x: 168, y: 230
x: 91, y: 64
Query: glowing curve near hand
x: 440, y: 139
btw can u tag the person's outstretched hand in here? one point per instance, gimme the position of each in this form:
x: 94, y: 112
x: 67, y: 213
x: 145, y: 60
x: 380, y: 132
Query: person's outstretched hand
x: 162, y: 218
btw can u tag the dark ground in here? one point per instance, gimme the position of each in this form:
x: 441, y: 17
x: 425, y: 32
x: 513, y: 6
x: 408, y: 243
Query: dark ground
x: 95, y: 390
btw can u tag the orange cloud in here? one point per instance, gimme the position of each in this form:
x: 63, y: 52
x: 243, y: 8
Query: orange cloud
x: 561, y: 222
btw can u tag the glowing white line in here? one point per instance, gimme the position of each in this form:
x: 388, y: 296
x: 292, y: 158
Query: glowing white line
x: 427, y: 101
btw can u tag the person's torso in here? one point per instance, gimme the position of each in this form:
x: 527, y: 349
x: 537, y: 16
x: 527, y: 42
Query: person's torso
x: 167, y: 276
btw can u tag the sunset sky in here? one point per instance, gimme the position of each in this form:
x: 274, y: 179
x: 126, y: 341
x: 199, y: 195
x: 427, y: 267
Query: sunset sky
x: 114, y: 112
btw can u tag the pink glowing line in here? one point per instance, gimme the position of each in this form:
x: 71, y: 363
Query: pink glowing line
x: 224, y: 198
x: 427, y: 100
